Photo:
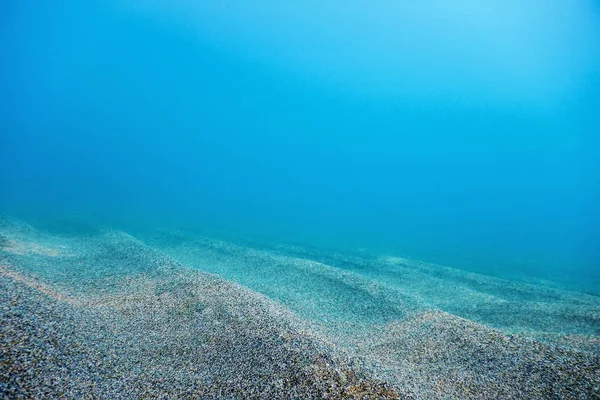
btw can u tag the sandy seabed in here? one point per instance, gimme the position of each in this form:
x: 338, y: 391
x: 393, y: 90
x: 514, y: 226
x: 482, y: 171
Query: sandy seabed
x: 108, y: 315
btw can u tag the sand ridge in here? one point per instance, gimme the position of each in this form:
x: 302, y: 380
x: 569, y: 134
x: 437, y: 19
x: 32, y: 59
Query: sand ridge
x: 120, y: 317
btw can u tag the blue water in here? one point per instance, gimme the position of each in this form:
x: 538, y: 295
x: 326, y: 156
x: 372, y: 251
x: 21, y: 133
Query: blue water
x: 463, y: 135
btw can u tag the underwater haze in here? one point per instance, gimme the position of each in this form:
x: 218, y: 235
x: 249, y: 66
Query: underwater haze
x: 300, y: 200
x: 463, y: 133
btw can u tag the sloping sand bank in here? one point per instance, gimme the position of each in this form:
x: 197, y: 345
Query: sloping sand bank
x: 104, y: 315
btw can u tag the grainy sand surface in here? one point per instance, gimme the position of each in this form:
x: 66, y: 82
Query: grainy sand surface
x: 107, y: 315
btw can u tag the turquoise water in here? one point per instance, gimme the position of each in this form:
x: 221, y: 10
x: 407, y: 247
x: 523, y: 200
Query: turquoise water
x: 418, y: 131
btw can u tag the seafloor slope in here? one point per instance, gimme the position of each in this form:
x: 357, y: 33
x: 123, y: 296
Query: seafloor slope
x: 103, y: 314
